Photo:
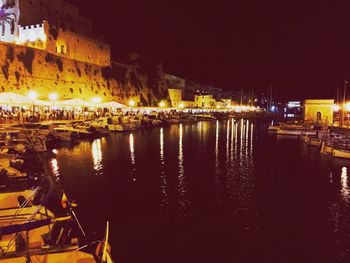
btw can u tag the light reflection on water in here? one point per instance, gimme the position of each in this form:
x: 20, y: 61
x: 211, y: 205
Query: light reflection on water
x: 182, y: 187
x: 97, y: 155
x: 163, y: 179
x: 344, y: 184
x: 132, y: 156
x: 226, y: 156
x: 55, y: 168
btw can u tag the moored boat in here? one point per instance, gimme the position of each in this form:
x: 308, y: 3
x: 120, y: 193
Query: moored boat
x: 341, y: 153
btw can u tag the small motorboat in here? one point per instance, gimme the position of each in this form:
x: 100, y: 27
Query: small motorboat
x: 341, y: 153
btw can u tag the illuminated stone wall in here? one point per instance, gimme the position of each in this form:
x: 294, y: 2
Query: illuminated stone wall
x: 57, y: 12
x: 24, y: 68
x: 322, y: 107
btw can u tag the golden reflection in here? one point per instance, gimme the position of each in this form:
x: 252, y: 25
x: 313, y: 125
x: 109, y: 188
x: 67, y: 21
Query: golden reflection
x: 97, y: 155
x: 162, y: 176
x: 217, y: 145
x: 247, y: 136
x: 344, y: 183
x: 227, y: 141
x: 232, y: 141
x: 132, y: 155
x: 182, y: 183
x: 241, y: 140
x: 55, y: 168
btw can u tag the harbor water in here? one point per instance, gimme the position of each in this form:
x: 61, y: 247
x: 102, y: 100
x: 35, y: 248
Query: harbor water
x: 217, y: 191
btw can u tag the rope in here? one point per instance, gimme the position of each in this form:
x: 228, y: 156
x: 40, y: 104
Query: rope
x: 15, y: 236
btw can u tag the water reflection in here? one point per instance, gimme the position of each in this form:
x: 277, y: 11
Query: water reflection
x: 97, y: 155
x: 344, y: 184
x: 162, y: 170
x: 55, y: 169
x: 182, y: 183
x: 132, y: 156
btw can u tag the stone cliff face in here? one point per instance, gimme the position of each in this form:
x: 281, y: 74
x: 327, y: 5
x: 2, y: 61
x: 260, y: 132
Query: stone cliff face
x: 24, y: 68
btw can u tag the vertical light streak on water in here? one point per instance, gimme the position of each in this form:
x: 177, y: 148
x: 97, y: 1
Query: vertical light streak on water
x: 247, y: 137
x: 241, y: 143
x: 55, y: 169
x: 182, y: 183
x: 251, y: 146
x: 217, y: 147
x: 344, y: 184
x: 132, y: 156
x: 97, y: 155
x: 232, y: 141
x: 162, y: 170
x: 217, y: 165
x: 228, y: 144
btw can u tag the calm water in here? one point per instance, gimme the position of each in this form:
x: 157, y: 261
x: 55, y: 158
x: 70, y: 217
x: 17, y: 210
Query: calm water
x: 223, y: 191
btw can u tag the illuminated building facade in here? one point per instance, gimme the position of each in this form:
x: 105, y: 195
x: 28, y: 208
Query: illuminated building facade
x: 318, y: 111
x: 53, y: 26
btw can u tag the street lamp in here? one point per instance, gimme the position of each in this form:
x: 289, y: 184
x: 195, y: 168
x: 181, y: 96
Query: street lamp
x: 181, y: 105
x: 32, y: 95
x: 132, y: 103
x: 96, y: 100
x: 161, y: 104
x: 53, y: 97
x: 336, y: 108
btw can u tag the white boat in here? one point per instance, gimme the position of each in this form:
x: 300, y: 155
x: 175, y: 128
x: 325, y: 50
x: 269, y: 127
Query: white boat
x: 296, y: 132
x: 137, y: 120
x: 205, y: 117
x: 288, y: 132
x: 273, y: 128
x: 121, y: 123
x: 313, y: 142
x: 38, y: 231
x: 341, y: 153
x: 326, y: 148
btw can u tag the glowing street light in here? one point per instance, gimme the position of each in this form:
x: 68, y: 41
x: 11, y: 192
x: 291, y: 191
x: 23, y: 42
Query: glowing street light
x: 32, y: 95
x: 53, y: 96
x: 347, y: 106
x: 181, y: 105
x: 161, y: 104
x: 336, y: 108
x: 96, y: 100
x: 132, y: 103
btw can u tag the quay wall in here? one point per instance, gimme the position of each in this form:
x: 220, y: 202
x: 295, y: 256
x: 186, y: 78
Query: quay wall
x: 25, y: 68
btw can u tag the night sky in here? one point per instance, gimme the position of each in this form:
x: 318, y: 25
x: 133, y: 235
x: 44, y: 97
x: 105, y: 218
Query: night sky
x: 301, y: 48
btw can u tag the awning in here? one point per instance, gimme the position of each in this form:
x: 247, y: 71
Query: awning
x: 9, y: 98
x: 74, y: 103
x: 112, y: 104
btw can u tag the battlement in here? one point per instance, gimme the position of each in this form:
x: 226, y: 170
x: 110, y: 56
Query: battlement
x: 31, y: 33
x: 32, y: 26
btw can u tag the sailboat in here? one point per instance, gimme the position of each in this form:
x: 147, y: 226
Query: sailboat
x: 39, y: 225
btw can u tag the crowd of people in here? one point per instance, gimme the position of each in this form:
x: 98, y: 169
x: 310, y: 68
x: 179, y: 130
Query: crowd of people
x: 21, y: 115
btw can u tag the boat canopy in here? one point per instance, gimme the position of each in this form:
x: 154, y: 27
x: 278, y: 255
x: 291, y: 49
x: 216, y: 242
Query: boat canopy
x: 12, y: 229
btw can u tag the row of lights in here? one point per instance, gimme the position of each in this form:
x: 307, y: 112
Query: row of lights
x: 54, y: 97
x: 337, y: 107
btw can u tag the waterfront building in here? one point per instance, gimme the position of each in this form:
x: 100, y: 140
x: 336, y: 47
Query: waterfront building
x: 318, y: 111
x: 175, y: 96
x: 205, y: 101
x: 46, y: 46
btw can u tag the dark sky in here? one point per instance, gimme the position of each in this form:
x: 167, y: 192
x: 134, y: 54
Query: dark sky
x: 301, y: 48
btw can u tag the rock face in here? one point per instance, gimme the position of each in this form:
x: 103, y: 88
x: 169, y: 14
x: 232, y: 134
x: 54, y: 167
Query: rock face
x: 25, y: 68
